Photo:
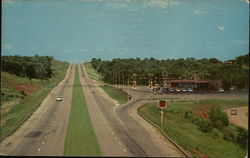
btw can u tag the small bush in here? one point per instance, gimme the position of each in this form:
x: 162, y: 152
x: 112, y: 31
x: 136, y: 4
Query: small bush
x: 241, y: 138
x: 218, y: 118
x: 23, y: 93
x: 215, y: 133
x: 228, y: 135
x: 205, y: 125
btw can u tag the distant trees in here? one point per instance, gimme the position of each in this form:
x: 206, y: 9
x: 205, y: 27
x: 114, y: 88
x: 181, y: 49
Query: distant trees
x: 32, y: 67
x: 235, y: 73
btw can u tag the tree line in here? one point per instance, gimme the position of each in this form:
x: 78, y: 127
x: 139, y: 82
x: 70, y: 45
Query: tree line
x: 28, y: 66
x: 232, y: 72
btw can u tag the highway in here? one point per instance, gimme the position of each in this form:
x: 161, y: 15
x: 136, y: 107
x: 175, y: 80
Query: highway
x: 118, y: 133
x: 118, y: 128
x: 44, y: 132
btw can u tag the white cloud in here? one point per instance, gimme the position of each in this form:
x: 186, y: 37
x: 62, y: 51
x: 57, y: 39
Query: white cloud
x: 121, y: 53
x: 7, y: 46
x: 247, y: 1
x: 8, y: 1
x: 116, y: 5
x: 221, y: 28
x: 238, y: 42
x: 199, y: 12
x: 162, y: 3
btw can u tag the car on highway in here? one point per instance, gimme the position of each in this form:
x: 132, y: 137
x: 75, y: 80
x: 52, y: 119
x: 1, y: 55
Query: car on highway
x: 58, y: 98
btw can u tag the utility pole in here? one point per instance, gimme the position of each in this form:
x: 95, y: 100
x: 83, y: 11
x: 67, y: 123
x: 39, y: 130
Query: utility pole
x: 123, y: 82
x: 128, y: 87
x: 119, y: 81
x: 113, y: 79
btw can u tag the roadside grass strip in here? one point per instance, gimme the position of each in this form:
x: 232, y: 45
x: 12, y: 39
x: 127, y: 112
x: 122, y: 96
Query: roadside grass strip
x: 92, y: 73
x: 80, y: 139
x: 116, y: 93
x: 187, y: 135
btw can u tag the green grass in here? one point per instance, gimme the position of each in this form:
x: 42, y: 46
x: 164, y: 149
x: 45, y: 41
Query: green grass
x: 26, y: 105
x: 92, y: 73
x: 115, y: 93
x: 80, y: 139
x: 186, y: 134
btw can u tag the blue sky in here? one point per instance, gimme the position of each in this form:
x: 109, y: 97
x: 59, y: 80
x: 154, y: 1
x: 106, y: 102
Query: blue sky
x: 78, y: 30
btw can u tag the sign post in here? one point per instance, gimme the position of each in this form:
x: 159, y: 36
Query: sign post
x: 162, y: 104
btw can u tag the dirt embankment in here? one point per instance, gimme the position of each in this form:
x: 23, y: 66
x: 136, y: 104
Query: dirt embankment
x: 28, y: 88
x: 241, y: 119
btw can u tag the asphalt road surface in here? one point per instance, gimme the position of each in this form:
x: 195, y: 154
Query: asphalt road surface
x: 118, y: 133
x: 118, y: 128
x: 44, y: 132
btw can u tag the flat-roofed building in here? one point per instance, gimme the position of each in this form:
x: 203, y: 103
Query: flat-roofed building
x: 195, y: 83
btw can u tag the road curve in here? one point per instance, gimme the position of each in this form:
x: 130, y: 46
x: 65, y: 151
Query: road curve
x: 132, y: 137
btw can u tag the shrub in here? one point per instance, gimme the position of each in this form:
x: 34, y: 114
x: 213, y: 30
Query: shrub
x: 241, y: 137
x: 204, y: 125
x: 228, y: 135
x: 218, y: 118
x: 23, y: 93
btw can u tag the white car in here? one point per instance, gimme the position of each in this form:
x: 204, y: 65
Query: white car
x: 221, y: 90
x: 190, y: 90
x: 59, y: 98
x: 184, y: 90
x: 178, y: 90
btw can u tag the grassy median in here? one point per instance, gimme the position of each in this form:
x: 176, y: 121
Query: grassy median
x: 187, y: 135
x: 80, y: 139
x: 115, y: 93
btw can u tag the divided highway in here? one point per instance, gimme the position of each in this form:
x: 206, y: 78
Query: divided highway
x: 118, y: 129
x: 113, y: 122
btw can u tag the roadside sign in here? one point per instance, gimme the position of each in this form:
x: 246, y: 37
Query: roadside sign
x: 162, y: 104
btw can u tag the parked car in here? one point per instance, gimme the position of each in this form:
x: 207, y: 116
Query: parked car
x: 209, y: 91
x: 58, y: 98
x: 184, y: 90
x: 178, y: 90
x: 221, y: 90
x: 171, y: 90
x: 92, y: 91
x: 232, y: 88
x: 190, y: 90
x: 165, y: 90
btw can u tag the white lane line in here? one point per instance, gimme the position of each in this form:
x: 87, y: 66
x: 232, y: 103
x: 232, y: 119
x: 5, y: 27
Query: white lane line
x: 45, y: 137
x: 39, y: 149
x: 116, y: 116
x: 112, y: 133
x: 120, y: 143
x: 43, y: 142
x: 115, y: 138
x: 124, y: 150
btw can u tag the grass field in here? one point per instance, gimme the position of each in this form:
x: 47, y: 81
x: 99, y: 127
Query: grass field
x: 116, y: 93
x: 16, y: 107
x: 91, y: 72
x: 80, y: 139
x: 187, y: 135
